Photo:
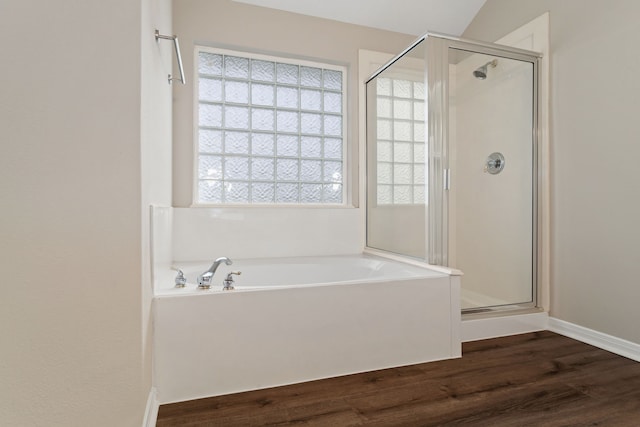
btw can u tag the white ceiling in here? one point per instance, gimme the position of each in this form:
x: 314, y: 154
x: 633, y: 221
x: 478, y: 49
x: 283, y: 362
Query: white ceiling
x: 404, y: 16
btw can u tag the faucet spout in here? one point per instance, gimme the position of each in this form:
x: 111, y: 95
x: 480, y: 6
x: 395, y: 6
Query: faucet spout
x: 217, y: 263
x: 204, y: 280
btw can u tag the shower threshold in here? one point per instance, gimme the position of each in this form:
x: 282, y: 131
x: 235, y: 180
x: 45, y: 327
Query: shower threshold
x: 485, y: 323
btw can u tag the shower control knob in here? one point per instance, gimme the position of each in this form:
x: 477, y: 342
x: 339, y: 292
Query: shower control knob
x: 494, y: 163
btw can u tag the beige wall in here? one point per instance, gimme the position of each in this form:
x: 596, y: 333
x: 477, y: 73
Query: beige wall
x: 157, y: 58
x: 239, y: 26
x: 594, y: 150
x: 74, y: 317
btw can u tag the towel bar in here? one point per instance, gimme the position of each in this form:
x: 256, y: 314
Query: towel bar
x: 178, y: 56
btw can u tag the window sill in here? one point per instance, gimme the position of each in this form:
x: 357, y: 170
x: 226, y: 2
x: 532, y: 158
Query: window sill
x: 274, y: 206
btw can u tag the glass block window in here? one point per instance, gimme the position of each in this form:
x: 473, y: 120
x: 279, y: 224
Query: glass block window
x: 400, y: 142
x: 269, y: 130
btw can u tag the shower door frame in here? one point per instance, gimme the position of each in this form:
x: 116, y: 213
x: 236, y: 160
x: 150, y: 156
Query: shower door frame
x: 437, y: 107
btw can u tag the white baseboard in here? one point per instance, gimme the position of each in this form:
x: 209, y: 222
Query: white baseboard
x: 494, y: 327
x: 606, y: 342
x: 151, y: 411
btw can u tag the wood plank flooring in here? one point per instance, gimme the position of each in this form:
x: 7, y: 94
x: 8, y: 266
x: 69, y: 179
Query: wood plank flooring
x: 536, y: 379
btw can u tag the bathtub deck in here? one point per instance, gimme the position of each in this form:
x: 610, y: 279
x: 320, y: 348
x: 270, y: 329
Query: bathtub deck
x: 531, y: 379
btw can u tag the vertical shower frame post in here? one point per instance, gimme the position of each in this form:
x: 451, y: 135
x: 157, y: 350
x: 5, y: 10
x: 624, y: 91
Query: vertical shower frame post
x: 437, y: 123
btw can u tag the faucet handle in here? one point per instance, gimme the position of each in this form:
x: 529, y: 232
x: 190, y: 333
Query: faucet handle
x: 180, y: 281
x: 227, y: 284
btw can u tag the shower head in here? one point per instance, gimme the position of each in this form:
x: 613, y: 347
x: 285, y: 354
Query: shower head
x: 481, y: 72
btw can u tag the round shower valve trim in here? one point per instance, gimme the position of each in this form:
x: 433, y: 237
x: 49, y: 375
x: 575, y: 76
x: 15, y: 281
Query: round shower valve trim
x: 494, y: 164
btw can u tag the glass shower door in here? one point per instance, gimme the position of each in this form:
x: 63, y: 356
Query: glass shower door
x: 491, y: 156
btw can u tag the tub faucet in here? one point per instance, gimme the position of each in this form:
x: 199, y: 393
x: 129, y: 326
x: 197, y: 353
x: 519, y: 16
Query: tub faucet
x: 204, y: 280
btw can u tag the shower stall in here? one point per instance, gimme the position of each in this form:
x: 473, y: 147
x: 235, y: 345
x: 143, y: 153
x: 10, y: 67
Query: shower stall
x: 451, y: 165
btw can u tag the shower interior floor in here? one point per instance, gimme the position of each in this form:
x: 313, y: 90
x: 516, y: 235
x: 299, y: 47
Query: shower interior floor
x: 470, y: 300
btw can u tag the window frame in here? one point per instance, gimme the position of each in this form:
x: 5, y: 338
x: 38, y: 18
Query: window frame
x: 346, y: 160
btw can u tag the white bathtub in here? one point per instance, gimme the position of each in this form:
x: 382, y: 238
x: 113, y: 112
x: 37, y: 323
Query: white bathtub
x: 298, y: 319
x: 262, y: 273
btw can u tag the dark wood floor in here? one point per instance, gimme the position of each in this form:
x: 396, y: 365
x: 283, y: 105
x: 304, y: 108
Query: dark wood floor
x: 537, y: 379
